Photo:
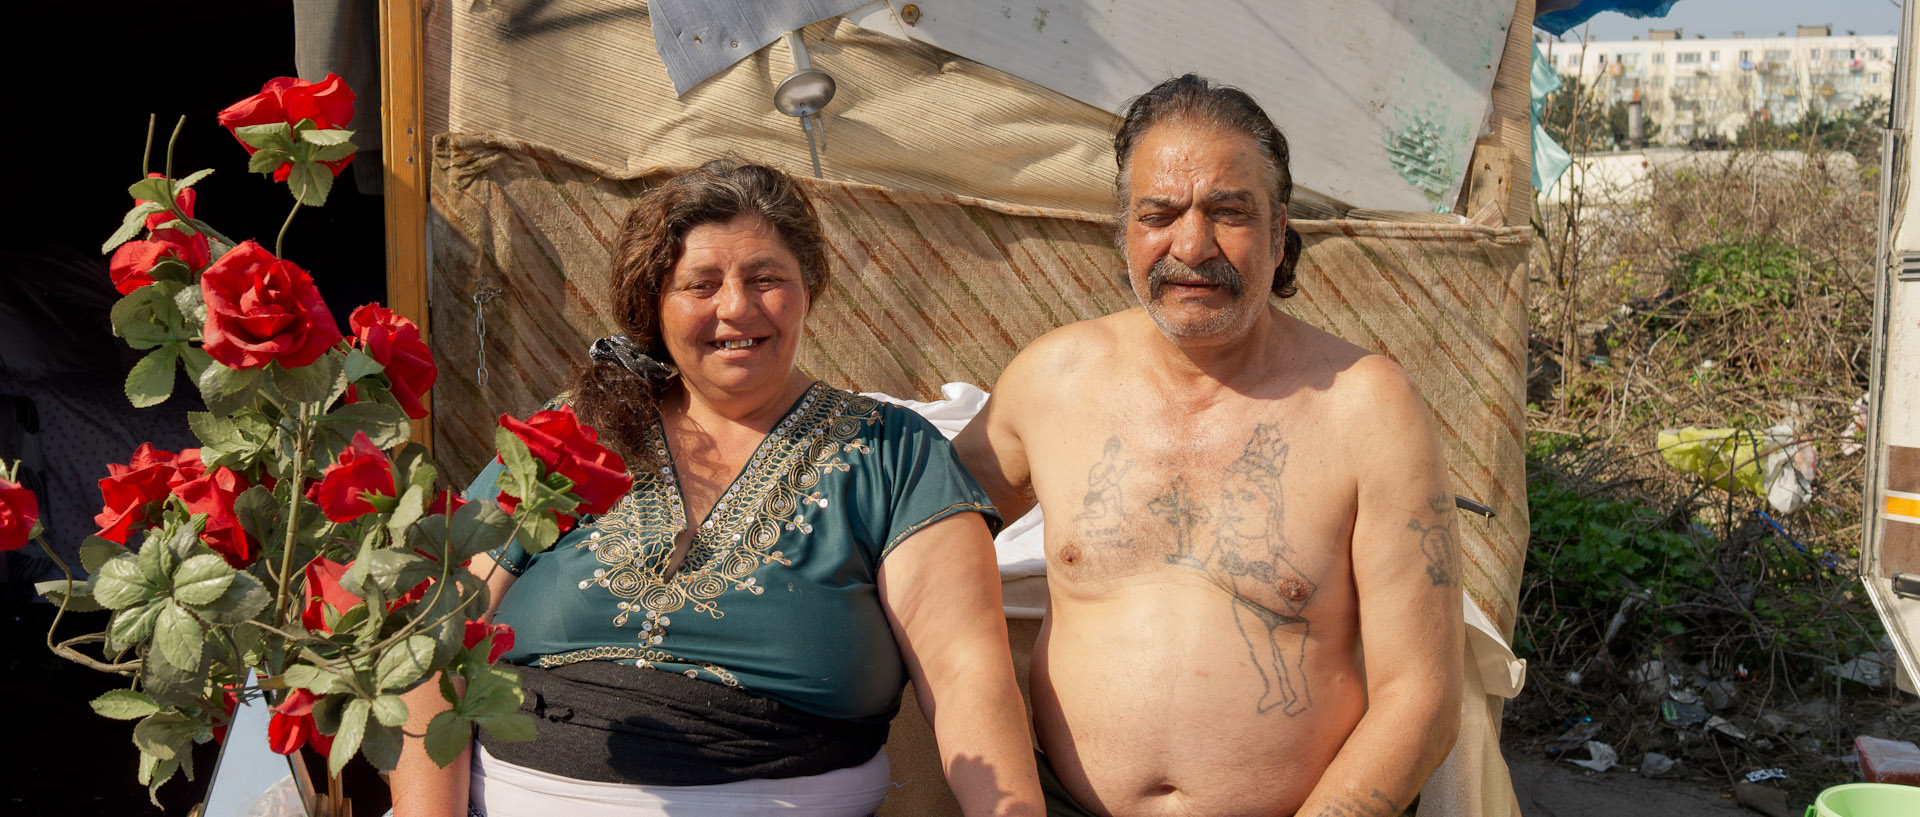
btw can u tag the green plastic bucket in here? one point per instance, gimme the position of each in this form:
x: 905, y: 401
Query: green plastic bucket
x: 1867, y: 800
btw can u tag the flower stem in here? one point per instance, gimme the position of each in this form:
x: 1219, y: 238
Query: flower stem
x: 170, y: 140
x: 277, y: 242
x: 146, y: 153
x: 293, y: 512
x: 63, y: 649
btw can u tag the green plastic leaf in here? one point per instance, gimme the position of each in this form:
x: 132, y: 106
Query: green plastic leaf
x: 131, y: 225
x: 360, y: 364
x: 313, y: 679
x: 404, y: 663
x: 191, y: 180
x: 242, y: 600
x: 515, y: 725
x: 271, y: 135
x: 267, y: 160
x: 148, y: 317
x: 153, y: 772
x: 177, y: 637
x: 196, y: 360
x: 120, y: 583
x: 160, y: 554
x: 494, y: 691
x: 173, y: 270
x: 514, y: 453
x: 165, y: 735
x: 407, y: 510
x: 188, y: 301
x: 132, y: 625
x: 228, y: 390
x: 394, y: 571
x: 202, y: 579
x: 152, y: 189
x: 478, y: 527
x: 386, y: 426
x: 327, y: 711
x: 390, y: 710
x: 348, y: 737
x: 447, y: 736
x: 327, y: 136
x: 310, y: 183
x: 96, y: 550
x: 257, y: 511
x: 124, y: 705
x: 80, y: 600
x: 318, y: 382
x: 332, y: 153
x: 382, y: 743
x: 150, y: 381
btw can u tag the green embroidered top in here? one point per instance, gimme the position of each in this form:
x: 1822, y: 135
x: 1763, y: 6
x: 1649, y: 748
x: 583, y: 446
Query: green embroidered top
x: 778, y: 592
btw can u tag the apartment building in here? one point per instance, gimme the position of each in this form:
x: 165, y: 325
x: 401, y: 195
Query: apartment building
x: 1700, y: 88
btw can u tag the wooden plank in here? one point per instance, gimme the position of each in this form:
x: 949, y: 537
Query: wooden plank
x: 1489, y: 185
x: 403, y: 135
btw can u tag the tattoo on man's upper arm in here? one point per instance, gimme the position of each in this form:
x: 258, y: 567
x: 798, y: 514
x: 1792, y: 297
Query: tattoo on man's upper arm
x: 1375, y: 804
x: 1437, y: 542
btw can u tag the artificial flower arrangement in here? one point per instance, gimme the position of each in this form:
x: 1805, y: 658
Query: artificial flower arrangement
x: 304, y: 543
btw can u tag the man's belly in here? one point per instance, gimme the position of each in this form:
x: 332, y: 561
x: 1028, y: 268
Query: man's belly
x: 1175, y: 698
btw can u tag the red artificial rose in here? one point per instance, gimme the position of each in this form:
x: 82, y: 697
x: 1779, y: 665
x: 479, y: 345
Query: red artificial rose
x: 329, y: 103
x: 19, y: 508
x: 292, y: 725
x: 502, y: 638
x: 261, y: 309
x: 212, y: 493
x: 134, y: 259
x: 566, y: 446
x: 133, y: 262
x: 394, y: 342
x: 361, y: 469
x: 131, y: 490
x: 324, y: 593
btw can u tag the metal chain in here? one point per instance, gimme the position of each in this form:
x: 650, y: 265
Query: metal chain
x: 480, y: 298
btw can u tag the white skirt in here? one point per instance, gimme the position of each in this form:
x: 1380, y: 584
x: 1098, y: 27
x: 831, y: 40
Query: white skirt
x: 502, y: 789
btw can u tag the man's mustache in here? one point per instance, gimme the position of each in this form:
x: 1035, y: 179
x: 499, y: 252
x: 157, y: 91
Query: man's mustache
x: 1215, y: 271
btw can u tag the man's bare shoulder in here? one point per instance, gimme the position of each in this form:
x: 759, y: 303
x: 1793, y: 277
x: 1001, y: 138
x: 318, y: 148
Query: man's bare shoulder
x: 1062, y: 356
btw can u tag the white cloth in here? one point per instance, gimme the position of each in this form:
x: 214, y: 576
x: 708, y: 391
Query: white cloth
x: 502, y: 789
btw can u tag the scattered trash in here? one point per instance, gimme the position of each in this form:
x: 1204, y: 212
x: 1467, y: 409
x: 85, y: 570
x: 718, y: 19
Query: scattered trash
x: 1684, y: 696
x: 1764, y: 799
x: 1818, y: 709
x: 1654, y: 764
x: 1758, y: 775
x: 1575, y: 737
x: 1725, y: 727
x: 1573, y: 678
x: 1777, y: 463
x: 1600, y: 757
x: 1855, y: 429
x: 1888, y: 761
x: 1720, y: 695
x: 1650, y: 679
x: 1682, y: 714
x: 1867, y: 668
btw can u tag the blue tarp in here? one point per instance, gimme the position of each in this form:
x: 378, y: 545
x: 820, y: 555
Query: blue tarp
x: 1557, y: 16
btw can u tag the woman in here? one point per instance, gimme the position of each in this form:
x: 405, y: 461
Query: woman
x: 733, y: 636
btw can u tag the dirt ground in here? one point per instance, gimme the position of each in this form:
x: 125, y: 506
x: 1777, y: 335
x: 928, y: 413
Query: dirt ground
x: 1547, y: 789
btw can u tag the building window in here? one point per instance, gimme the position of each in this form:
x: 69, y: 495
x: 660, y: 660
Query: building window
x: 1779, y: 55
x: 1680, y: 83
x: 1628, y: 60
x: 1658, y: 81
x: 1713, y: 56
x: 1687, y: 58
x: 1878, y: 53
x: 1746, y: 56
x: 1659, y: 57
x: 1840, y: 54
x: 1813, y: 55
x: 1873, y: 78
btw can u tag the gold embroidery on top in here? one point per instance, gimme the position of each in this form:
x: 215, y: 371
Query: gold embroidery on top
x: 642, y: 657
x: 769, y: 497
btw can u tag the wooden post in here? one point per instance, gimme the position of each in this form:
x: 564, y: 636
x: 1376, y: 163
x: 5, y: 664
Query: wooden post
x: 404, y: 143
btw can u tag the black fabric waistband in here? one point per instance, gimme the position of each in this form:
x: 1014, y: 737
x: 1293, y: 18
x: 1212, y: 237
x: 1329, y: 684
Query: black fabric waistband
x: 616, y: 723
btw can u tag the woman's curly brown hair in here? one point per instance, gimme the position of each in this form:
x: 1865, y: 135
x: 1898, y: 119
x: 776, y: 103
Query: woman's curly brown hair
x: 615, y: 401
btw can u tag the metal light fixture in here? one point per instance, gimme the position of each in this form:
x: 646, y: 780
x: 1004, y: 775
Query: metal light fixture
x: 803, y: 94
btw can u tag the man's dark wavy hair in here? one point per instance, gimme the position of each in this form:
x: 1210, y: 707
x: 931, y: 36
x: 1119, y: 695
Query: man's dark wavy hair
x: 1198, y: 99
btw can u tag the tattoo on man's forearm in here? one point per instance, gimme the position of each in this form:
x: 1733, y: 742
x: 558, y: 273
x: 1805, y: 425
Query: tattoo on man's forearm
x: 1437, y: 543
x: 1376, y: 804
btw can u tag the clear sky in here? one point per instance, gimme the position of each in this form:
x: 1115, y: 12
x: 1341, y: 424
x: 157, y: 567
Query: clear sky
x: 1758, y: 18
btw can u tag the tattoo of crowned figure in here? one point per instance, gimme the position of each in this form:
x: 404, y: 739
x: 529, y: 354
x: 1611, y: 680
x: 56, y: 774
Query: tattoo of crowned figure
x: 1436, y: 542
x: 1104, y: 509
x: 1248, y: 559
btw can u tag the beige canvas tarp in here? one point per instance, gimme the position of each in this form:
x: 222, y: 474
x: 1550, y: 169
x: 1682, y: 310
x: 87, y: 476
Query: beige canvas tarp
x: 965, y: 212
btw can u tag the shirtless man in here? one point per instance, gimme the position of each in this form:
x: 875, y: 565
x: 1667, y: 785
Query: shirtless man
x: 1255, y: 593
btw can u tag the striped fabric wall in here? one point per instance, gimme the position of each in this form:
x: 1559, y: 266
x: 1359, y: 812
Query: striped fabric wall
x: 928, y: 289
